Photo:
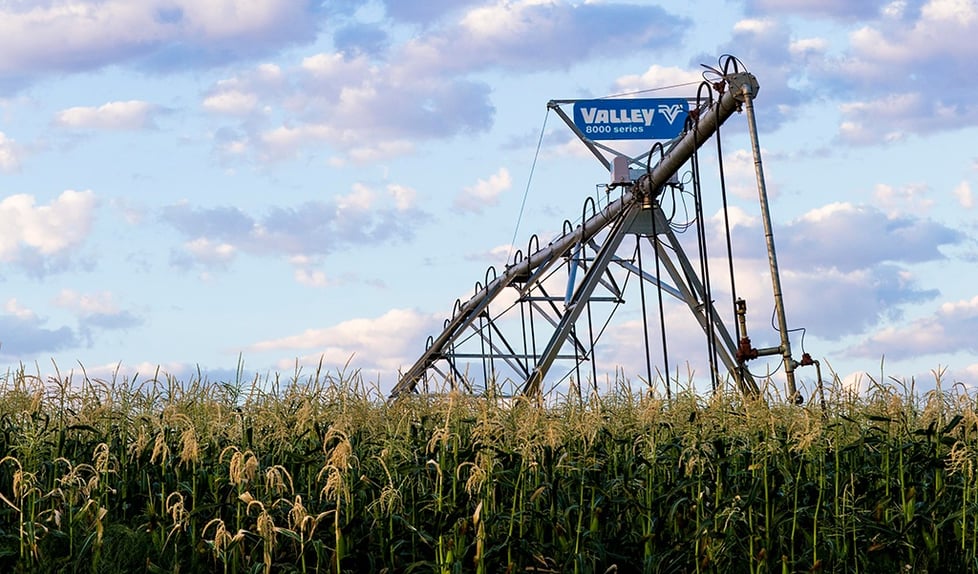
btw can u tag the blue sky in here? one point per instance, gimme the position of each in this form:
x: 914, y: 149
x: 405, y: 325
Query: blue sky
x: 187, y: 183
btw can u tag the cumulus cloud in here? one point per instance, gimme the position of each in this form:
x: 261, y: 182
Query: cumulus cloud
x: 96, y: 311
x: 359, y: 107
x: 899, y: 73
x: 373, y: 98
x: 847, y: 237
x: 833, y: 303
x: 528, y: 34
x: 808, y: 47
x: 78, y: 35
x: 403, y: 197
x: 844, y: 267
x: 23, y: 334
x: 740, y: 175
x: 949, y: 329
x: 379, y: 343
x: 835, y: 9
x: 363, y: 217
x: 666, y: 81
x: 127, y: 115
x: 87, y: 305
x: 895, y: 116
x: 361, y: 38
x: 964, y: 195
x: 906, y: 65
x: 40, y: 238
x: 244, y: 94
x: 311, y: 277
x: 485, y: 193
x: 500, y: 254
x: 424, y: 12
x: 231, y: 101
x: 910, y: 198
x: 10, y: 154
x: 205, y: 252
x: 14, y: 309
x: 763, y: 44
x: 685, y: 349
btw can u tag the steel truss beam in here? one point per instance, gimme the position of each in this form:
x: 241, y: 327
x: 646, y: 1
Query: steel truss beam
x: 588, y: 255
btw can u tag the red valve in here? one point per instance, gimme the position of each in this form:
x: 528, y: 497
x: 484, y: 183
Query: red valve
x: 745, y: 351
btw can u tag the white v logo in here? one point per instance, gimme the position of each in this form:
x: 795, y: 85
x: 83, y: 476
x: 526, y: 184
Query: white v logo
x: 670, y: 111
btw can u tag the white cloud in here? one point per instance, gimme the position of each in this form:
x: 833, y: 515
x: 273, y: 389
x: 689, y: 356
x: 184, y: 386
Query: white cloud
x: 74, y: 35
x: 952, y: 11
x: 220, y: 19
x: 231, y: 102
x: 387, y: 342
x: 527, y: 34
x: 313, y: 229
x: 244, y: 93
x: 210, y: 253
x: 22, y: 335
x: 285, y: 141
x: 657, y: 77
x: 964, y: 195
x: 368, y: 107
x: 404, y: 197
x: 336, y: 71
x: 497, y: 20
x: 13, y: 308
x: 363, y: 154
x: 885, y: 119
x: 10, y: 154
x: 840, y: 9
x: 128, y: 115
x: 934, y: 45
x: 944, y: 27
x: 847, y: 236
x: 364, y: 110
x: 910, y: 198
x: 362, y: 198
x: 132, y: 212
x: 141, y: 371
x: 844, y: 268
x: 101, y: 303
x: 754, y: 26
x: 895, y: 9
x: 740, y: 175
x: 306, y: 272
x: 949, y: 329
x: 501, y: 254
x: 808, y: 46
x: 485, y: 193
x: 233, y: 148
x: 311, y: 278
x: 967, y: 375
x: 47, y: 229
x: 685, y: 347
x: 737, y: 216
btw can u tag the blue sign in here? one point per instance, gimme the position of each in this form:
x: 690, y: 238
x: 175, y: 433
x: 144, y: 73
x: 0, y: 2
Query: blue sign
x: 631, y: 119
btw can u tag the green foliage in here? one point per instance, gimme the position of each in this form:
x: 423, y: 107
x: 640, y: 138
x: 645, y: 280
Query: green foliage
x: 321, y: 474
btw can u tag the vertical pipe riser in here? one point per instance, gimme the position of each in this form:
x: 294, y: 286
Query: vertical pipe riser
x: 748, y: 92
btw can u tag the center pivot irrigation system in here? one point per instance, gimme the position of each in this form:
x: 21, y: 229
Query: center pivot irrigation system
x: 552, y: 304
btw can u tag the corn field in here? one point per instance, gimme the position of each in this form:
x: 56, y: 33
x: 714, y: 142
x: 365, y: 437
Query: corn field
x: 319, y: 473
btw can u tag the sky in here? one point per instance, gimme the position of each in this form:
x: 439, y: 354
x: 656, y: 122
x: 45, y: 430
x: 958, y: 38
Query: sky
x: 258, y: 187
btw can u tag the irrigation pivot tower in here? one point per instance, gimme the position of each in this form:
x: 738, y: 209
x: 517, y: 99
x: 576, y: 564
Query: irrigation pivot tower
x: 551, y: 304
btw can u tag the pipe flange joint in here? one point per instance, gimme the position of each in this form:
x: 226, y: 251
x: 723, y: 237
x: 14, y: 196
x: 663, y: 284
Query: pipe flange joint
x: 742, y: 84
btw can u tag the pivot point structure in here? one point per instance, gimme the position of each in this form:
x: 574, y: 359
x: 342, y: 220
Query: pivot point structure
x: 551, y: 304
